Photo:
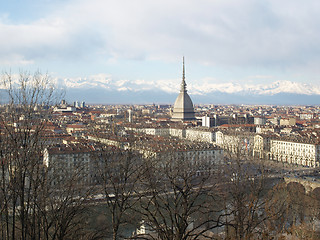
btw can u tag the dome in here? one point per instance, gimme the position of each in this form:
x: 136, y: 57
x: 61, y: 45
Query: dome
x: 183, y: 106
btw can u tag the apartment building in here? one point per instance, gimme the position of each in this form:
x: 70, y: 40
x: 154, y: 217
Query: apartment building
x: 295, y: 152
x: 292, y: 150
x: 235, y: 142
x: 199, y: 134
x: 69, y: 162
x: 170, y: 149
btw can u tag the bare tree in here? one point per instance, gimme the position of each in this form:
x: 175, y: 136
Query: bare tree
x: 26, y: 197
x: 21, y: 146
x: 63, y: 210
x: 247, y: 202
x: 275, y: 209
x: 118, y: 174
x: 180, y: 200
x: 298, y: 212
x: 244, y: 201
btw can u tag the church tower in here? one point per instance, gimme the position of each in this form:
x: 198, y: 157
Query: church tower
x: 183, y: 106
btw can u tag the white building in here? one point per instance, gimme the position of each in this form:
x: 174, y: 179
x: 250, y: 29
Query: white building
x: 294, y: 151
x: 177, y: 132
x: 198, y: 154
x: 68, y: 162
x: 260, y: 120
x: 287, y: 121
x: 65, y: 109
x: 299, y: 153
x: 157, y: 131
x: 261, y: 147
x: 235, y: 142
x: 200, y: 135
x: 219, y: 138
x: 208, y: 121
x: 130, y: 116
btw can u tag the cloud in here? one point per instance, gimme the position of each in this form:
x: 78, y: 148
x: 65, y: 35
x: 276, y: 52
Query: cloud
x: 15, y: 59
x: 54, y: 38
x: 261, y: 77
x: 247, y: 33
x: 216, y: 32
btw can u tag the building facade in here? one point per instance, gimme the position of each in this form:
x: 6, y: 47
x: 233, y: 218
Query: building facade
x: 66, y: 162
x: 286, y: 150
x: 183, y: 107
x: 299, y: 153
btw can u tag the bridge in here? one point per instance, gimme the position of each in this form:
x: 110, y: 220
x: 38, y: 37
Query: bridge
x: 309, y: 183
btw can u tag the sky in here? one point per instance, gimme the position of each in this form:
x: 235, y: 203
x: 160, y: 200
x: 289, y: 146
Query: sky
x: 238, y: 41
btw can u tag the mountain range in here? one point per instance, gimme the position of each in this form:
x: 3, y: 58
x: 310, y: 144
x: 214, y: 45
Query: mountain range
x: 103, y: 89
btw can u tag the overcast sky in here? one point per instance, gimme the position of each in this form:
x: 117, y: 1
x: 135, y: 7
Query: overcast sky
x: 241, y: 41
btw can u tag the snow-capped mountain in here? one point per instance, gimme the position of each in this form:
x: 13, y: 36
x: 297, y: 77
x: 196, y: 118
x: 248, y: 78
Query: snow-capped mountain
x: 106, y: 82
x: 103, y: 87
x: 288, y: 87
x: 266, y: 89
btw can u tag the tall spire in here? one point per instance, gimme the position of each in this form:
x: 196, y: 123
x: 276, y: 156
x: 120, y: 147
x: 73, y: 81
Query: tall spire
x: 183, y: 83
x: 183, y: 107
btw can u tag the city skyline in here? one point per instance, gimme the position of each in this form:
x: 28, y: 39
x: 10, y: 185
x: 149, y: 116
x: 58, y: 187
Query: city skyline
x: 230, y: 47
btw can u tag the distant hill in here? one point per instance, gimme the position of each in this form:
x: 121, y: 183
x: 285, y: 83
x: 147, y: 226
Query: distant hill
x: 105, y: 96
x: 103, y: 89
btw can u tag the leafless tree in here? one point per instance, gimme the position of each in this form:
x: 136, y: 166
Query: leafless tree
x: 118, y: 174
x: 26, y: 197
x: 299, y: 211
x: 180, y: 200
x: 247, y: 202
x: 63, y: 212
